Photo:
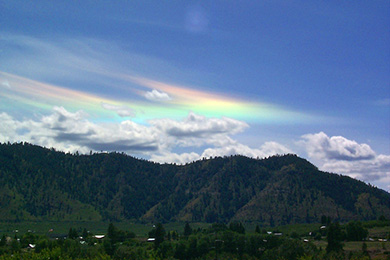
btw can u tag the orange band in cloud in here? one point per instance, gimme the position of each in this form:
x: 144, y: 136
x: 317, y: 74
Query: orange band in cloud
x: 183, y: 100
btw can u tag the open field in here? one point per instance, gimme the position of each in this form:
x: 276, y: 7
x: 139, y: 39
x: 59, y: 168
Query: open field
x: 379, y: 232
x: 141, y: 230
x: 54, y: 227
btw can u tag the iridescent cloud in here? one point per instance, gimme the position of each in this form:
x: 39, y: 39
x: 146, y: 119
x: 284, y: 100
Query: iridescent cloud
x: 216, y: 104
x: 181, y: 100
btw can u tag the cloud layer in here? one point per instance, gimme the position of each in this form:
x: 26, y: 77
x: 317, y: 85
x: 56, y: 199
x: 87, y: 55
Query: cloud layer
x: 73, y: 131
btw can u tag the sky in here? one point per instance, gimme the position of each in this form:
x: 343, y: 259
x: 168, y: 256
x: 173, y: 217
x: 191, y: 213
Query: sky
x: 178, y: 81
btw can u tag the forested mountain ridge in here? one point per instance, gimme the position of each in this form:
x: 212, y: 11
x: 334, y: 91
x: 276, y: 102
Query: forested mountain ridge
x: 42, y: 184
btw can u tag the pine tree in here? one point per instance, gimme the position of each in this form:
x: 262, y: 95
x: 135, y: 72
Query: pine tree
x: 72, y: 234
x: 257, y: 230
x: 3, y: 240
x: 187, y: 230
x: 112, y: 233
x: 334, y: 238
x: 85, y: 233
x: 159, y: 235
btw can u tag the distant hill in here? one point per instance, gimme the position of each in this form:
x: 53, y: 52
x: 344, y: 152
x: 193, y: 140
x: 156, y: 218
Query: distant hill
x: 42, y: 184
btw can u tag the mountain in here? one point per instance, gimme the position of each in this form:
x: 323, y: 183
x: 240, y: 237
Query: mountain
x: 43, y: 184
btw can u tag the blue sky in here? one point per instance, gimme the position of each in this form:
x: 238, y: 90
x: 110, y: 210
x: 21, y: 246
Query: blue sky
x: 177, y: 81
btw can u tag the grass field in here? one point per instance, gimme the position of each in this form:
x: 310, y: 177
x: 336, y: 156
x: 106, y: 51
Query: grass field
x: 45, y: 227
x: 141, y: 230
x: 379, y: 232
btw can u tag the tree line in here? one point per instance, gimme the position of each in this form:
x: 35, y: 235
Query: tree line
x: 218, y: 241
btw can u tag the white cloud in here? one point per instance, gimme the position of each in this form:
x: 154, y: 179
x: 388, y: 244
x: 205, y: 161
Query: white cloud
x: 156, y: 95
x: 122, y: 111
x: 72, y: 131
x: 175, y: 158
x: 69, y: 131
x: 267, y: 149
x: 368, y: 170
x: 197, y: 126
x: 235, y: 148
x: 341, y: 155
x: 196, y: 130
x: 8, y: 128
x: 321, y: 146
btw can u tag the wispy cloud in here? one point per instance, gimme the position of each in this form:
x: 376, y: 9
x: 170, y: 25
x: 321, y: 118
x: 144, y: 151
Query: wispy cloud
x: 383, y: 102
x: 6, y: 84
x: 218, y: 104
x: 122, y: 111
x: 115, y: 76
x: 181, y: 101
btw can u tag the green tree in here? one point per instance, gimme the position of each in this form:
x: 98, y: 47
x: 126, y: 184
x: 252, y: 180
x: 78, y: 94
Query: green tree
x: 257, y: 230
x: 237, y: 227
x: 271, y: 221
x: 28, y: 238
x: 187, y: 230
x: 165, y: 250
x: 193, y: 247
x: 41, y: 245
x: 323, y: 220
x: 180, y: 250
x: 15, y: 245
x: 364, y: 249
x: 112, y: 233
x: 85, y: 233
x: 159, y: 235
x: 109, y: 247
x: 334, y: 238
x: 3, y: 240
x: 356, y: 231
x: 72, y: 234
x: 294, y: 235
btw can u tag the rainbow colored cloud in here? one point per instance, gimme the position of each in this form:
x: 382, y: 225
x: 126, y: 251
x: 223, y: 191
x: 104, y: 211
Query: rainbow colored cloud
x: 164, y: 101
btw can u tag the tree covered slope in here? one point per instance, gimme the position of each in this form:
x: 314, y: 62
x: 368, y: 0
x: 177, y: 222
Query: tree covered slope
x: 42, y: 184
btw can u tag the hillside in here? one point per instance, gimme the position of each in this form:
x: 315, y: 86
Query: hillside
x: 42, y: 184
